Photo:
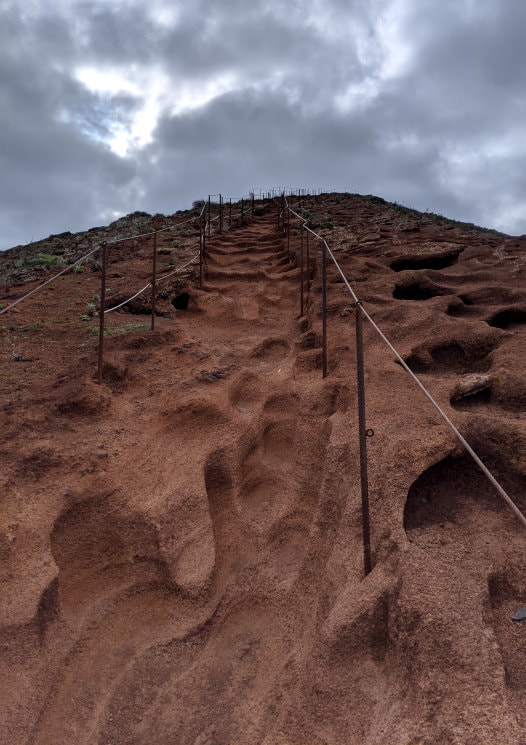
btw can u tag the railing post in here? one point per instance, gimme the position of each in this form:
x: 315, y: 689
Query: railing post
x: 201, y: 249
x: 363, y: 434
x: 301, y: 273
x: 154, y: 278
x: 230, y: 214
x: 288, y: 236
x: 308, y: 259
x: 324, y: 307
x: 220, y: 213
x: 242, y: 210
x: 209, y: 215
x: 104, y: 249
x: 252, y: 205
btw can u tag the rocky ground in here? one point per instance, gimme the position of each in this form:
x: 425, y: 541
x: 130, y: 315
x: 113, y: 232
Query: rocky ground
x: 180, y: 547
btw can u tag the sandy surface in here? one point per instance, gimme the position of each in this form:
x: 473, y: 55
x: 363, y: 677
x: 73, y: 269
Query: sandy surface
x: 180, y: 548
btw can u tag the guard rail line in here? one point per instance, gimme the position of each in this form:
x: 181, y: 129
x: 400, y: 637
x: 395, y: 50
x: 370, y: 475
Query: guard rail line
x: 360, y: 309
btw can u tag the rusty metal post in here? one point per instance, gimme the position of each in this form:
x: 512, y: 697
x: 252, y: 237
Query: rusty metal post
x: 209, y: 215
x: 308, y: 259
x: 301, y: 273
x: 242, y: 210
x: 363, y: 434
x: 154, y: 278
x: 220, y: 213
x: 288, y: 236
x: 104, y: 248
x: 201, y: 249
x: 324, y: 306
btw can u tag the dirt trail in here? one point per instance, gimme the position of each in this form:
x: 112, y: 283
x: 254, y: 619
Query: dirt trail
x: 182, y: 548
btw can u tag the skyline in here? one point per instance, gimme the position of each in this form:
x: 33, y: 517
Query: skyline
x: 110, y: 106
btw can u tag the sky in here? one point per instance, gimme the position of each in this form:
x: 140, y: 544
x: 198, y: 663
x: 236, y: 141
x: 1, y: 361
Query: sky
x: 112, y: 106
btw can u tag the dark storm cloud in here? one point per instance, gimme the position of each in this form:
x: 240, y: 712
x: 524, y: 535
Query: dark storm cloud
x: 114, y: 105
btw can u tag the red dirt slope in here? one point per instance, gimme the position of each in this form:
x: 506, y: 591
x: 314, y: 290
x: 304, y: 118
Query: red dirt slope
x: 180, y: 547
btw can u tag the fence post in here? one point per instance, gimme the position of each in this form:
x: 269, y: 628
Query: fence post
x: 230, y: 214
x: 288, y: 235
x: 242, y: 209
x: 308, y: 259
x: 154, y: 278
x: 363, y: 434
x: 301, y: 272
x: 104, y: 248
x: 201, y: 249
x: 220, y: 213
x: 324, y: 306
x: 209, y: 215
x: 252, y: 205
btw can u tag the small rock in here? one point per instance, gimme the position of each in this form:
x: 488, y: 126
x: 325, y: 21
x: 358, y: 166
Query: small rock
x: 213, y: 376
x: 471, y: 384
x: 519, y: 615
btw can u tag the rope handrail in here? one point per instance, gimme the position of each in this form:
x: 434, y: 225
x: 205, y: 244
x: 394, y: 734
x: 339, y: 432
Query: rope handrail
x: 94, y: 250
x: 161, y: 279
x: 359, y: 308
x: 48, y: 281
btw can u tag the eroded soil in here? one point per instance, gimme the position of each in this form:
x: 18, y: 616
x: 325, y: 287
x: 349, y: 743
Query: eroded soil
x: 180, y: 548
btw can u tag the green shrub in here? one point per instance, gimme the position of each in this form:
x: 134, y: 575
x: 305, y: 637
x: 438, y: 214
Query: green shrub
x: 41, y: 259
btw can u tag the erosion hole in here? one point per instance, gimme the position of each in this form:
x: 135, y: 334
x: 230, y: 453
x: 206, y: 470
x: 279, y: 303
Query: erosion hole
x: 429, y: 262
x: 416, y: 291
x: 180, y: 302
x: 508, y: 319
x: 451, y: 356
x: 446, y: 493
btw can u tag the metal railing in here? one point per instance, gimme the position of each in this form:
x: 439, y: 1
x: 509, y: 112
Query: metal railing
x: 285, y: 211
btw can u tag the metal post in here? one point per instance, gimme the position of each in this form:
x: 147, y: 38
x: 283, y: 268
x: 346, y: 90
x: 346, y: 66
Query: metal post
x: 220, y: 213
x: 301, y: 274
x: 154, y: 278
x: 288, y: 236
x: 308, y: 259
x: 242, y: 208
x: 104, y: 249
x: 201, y: 249
x: 363, y: 434
x: 209, y: 215
x: 324, y: 306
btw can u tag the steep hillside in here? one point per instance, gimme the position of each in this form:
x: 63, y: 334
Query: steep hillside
x: 180, y: 547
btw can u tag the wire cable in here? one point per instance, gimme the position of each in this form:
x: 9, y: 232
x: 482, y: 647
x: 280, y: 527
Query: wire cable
x: 359, y: 308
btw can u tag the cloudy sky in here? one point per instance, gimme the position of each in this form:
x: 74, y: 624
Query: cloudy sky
x: 109, y: 106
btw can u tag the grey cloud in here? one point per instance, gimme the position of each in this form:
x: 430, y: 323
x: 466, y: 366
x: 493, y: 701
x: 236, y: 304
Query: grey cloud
x: 443, y: 131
